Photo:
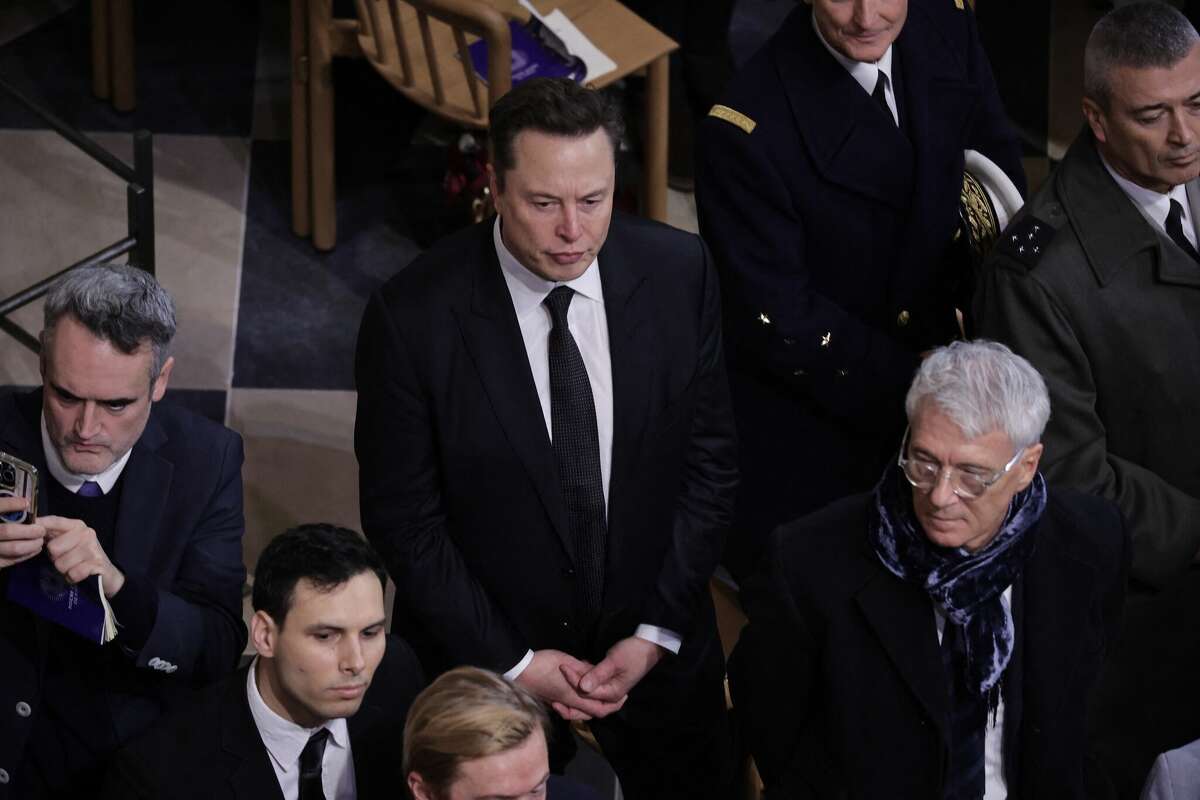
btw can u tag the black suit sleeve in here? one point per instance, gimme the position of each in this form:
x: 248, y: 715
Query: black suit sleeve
x: 403, y: 511
x: 704, y: 506
x: 773, y: 676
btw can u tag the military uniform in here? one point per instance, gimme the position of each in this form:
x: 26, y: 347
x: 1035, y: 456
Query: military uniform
x: 833, y: 230
x: 1108, y: 309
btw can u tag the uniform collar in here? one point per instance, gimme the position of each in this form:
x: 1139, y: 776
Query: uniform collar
x: 283, y: 738
x: 529, y: 290
x: 71, y: 481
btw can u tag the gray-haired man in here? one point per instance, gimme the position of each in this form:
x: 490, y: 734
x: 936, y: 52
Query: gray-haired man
x: 938, y: 637
x: 148, y: 497
x: 1098, y: 284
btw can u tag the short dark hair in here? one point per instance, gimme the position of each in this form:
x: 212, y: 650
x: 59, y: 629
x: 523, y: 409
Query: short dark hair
x: 557, y: 106
x: 322, y: 554
x: 1141, y: 36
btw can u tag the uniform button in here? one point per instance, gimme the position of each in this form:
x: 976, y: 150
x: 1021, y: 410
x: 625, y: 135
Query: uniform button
x: 566, y: 625
x: 3, y: 776
x: 567, y: 571
x: 903, y: 318
x: 23, y: 709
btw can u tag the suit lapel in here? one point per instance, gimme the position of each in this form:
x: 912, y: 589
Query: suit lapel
x: 251, y: 776
x: 493, y: 338
x: 850, y: 142
x: 627, y: 305
x: 904, y: 623
x: 147, y: 482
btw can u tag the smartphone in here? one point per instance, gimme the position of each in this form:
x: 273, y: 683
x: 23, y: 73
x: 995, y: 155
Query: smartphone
x: 18, y: 479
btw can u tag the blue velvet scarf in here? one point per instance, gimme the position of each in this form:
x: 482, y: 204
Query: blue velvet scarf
x: 967, y: 586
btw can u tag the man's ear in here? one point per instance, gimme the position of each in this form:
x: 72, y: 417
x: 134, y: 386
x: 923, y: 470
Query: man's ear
x: 264, y: 633
x: 160, y: 383
x: 1097, y: 120
x: 1028, y: 465
x: 418, y: 788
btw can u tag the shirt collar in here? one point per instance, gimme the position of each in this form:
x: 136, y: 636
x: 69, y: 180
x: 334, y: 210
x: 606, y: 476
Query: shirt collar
x: 73, y: 480
x: 866, y: 74
x: 284, y: 739
x: 529, y: 290
x: 1154, y: 205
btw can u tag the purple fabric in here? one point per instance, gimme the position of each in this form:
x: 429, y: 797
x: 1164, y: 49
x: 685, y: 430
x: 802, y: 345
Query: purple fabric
x: 90, y: 489
x: 968, y: 586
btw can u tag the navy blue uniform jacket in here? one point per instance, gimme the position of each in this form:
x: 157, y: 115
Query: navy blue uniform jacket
x: 833, y: 232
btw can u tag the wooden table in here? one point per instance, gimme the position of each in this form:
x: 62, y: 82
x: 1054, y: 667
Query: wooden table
x: 316, y: 37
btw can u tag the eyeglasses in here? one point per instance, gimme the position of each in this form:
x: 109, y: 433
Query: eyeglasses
x: 969, y: 483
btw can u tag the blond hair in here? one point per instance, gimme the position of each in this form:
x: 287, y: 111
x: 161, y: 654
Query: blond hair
x: 467, y: 713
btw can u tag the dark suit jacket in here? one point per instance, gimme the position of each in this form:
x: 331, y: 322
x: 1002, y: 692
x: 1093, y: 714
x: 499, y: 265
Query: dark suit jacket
x: 833, y: 231
x: 178, y: 540
x: 838, y: 679
x: 459, y: 486
x: 213, y: 750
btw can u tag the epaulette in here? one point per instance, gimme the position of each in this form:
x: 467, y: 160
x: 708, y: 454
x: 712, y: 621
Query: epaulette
x: 1027, y: 240
x: 959, y: 5
x: 735, y: 118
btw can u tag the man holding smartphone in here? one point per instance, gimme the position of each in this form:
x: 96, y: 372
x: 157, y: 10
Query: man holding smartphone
x: 146, y: 496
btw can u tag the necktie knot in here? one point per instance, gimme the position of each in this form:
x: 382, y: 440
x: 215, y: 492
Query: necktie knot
x: 311, y: 758
x: 90, y: 489
x: 558, y: 301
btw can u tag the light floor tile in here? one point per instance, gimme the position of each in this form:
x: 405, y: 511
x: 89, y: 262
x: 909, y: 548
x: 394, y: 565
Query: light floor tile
x: 59, y: 206
x: 300, y: 464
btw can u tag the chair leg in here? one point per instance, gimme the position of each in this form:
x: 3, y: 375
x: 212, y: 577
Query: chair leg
x: 124, y: 96
x: 101, y: 65
x: 301, y: 188
x: 320, y: 100
x: 655, y: 176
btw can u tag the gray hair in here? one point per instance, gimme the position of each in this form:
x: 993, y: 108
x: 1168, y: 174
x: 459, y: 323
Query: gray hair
x: 1141, y: 36
x: 120, y: 304
x: 983, y: 387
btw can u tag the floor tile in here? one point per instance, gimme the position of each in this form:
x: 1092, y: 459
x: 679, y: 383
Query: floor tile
x: 60, y: 206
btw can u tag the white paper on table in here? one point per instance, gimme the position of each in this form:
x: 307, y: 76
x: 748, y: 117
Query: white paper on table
x: 594, y: 59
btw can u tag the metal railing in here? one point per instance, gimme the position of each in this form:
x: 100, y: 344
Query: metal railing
x: 139, y: 194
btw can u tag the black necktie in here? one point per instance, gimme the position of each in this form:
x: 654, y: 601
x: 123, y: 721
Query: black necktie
x: 1174, y: 228
x: 577, y: 452
x: 968, y: 722
x: 880, y: 95
x: 310, y: 766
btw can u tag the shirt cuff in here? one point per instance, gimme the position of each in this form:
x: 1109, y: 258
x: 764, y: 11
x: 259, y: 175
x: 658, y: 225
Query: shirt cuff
x: 669, y: 640
x: 516, y: 671
x: 136, y: 609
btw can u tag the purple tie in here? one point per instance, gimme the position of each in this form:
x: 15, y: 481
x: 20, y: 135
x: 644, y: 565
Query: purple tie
x: 90, y: 489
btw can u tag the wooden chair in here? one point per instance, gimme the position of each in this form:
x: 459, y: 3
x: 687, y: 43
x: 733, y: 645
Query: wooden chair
x: 416, y: 45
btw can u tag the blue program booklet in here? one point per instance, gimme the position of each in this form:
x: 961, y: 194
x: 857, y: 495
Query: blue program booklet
x: 531, y: 57
x: 81, y: 608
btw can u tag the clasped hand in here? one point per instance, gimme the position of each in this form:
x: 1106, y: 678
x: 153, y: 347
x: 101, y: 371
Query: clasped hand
x: 577, y: 690
x: 71, y: 545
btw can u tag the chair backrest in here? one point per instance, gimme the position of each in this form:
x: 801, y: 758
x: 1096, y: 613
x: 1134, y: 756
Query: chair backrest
x: 420, y: 48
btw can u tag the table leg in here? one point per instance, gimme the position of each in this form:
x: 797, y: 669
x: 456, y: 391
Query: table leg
x: 124, y: 96
x: 655, y: 175
x: 301, y: 188
x: 320, y: 111
x: 101, y: 74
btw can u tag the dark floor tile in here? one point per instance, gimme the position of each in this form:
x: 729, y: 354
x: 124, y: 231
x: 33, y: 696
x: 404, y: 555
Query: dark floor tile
x: 194, y: 64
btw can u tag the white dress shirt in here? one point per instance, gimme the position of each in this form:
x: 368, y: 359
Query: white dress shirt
x: 589, y: 327
x: 865, y: 74
x: 285, y: 740
x: 1155, y: 206
x: 995, y: 787
x: 72, y: 481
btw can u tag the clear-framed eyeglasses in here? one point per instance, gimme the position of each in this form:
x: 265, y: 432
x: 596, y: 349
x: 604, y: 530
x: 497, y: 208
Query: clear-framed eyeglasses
x: 969, y: 483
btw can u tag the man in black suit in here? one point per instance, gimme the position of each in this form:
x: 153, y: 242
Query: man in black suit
x: 546, y: 450
x: 145, y: 495
x: 828, y: 185
x: 318, y: 714
x: 938, y: 638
